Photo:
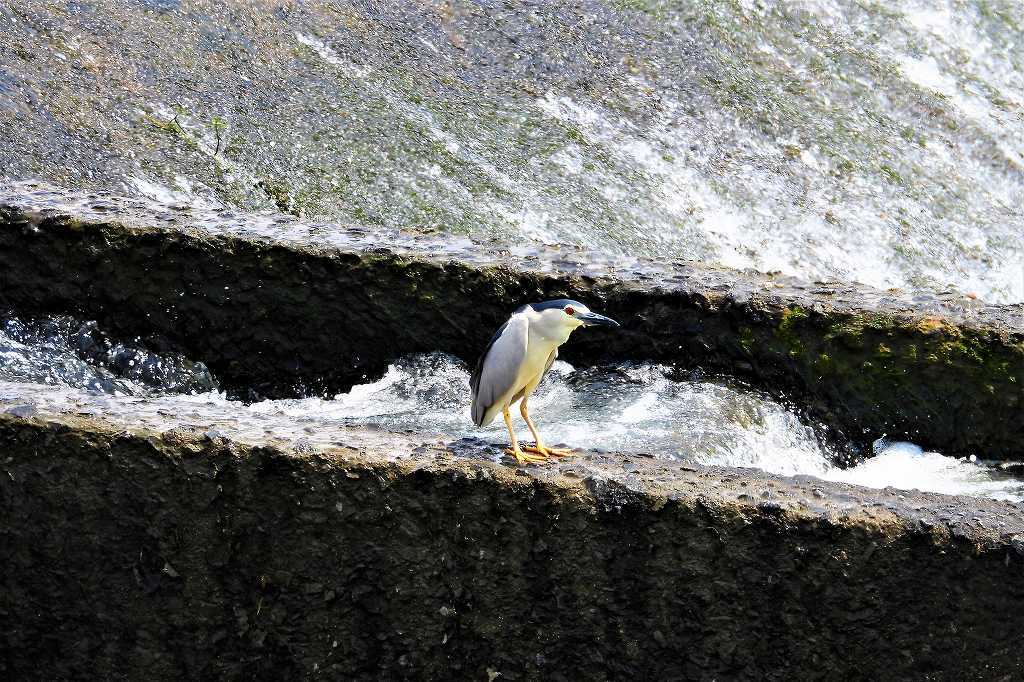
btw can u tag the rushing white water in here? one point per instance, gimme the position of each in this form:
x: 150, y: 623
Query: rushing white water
x: 774, y: 135
x: 906, y: 466
x: 637, y: 408
x: 629, y: 408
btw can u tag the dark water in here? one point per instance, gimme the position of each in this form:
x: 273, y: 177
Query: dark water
x: 62, y: 351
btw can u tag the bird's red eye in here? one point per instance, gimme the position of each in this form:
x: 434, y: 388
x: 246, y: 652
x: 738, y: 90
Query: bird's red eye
x: 569, y: 310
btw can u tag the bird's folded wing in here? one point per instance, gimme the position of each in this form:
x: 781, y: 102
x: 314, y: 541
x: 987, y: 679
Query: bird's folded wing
x: 551, y: 361
x: 498, y: 368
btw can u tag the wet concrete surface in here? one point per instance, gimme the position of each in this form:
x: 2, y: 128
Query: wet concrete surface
x: 408, y: 556
x: 276, y: 306
x: 848, y: 139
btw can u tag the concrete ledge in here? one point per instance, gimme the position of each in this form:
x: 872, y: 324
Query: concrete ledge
x: 275, y: 306
x: 132, y: 554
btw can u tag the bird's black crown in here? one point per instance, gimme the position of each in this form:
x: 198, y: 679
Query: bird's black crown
x: 557, y: 303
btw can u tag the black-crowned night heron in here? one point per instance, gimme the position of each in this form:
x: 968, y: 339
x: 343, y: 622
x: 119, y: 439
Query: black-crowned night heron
x: 517, y: 358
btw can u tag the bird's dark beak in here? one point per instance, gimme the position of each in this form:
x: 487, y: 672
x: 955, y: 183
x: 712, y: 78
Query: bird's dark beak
x: 595, y: 320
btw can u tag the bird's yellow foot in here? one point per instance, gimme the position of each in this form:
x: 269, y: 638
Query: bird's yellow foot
x: 549, y: 452
x: 524, y: 458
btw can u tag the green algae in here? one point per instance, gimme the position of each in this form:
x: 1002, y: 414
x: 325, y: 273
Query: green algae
x: 875, y: 350
x: 747, y: 339
x: 787, y: 331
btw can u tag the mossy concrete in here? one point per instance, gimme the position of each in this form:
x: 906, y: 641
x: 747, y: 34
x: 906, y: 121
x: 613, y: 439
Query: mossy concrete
x: 277, y: 307
x: 185, y: 555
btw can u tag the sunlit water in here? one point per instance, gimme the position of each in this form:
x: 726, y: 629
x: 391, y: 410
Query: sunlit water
x: 629, y: 408
x: 774, y: 135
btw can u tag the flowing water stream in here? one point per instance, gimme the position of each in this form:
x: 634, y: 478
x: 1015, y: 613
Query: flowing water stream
x: 854, y: 139
x: 634, y: 408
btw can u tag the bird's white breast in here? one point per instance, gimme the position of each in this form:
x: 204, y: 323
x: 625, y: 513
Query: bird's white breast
x: 548, y: 331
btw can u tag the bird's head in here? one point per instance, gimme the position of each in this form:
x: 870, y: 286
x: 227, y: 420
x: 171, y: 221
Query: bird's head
x: 564, y: 315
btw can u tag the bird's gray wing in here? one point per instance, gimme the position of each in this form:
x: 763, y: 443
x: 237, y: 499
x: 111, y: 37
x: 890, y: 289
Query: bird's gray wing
x: 498, y: 367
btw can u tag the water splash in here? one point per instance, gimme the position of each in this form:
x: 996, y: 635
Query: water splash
x: 907, y: 466
x: 640, y: 409
x: 630, y: 408
x: 62, y: 351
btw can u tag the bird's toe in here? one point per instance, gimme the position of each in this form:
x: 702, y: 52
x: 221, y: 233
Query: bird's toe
x: 523, y: 458
x: 549, y: 452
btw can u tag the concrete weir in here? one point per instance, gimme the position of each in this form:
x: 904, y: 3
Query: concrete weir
x: 184, y: 554
x: 152, y: 530
x: 274, y: 305
x: 182, y: 542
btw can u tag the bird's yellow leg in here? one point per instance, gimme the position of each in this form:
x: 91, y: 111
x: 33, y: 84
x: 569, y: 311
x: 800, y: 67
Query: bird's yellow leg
x: 540, y: 448
x: 515, y: 451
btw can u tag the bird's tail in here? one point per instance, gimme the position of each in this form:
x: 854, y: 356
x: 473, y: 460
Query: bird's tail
x: 477, y: 411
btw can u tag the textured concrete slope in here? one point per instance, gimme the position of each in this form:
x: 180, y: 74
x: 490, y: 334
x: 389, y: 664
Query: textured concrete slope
x: 132, y: 554
x: 854, y: 139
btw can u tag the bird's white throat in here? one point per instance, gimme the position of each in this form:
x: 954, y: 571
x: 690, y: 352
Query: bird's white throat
x: 551, y: 327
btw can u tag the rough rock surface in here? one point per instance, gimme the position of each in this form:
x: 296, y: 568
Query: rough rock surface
x: 184, y: 554
x: 275, y: 306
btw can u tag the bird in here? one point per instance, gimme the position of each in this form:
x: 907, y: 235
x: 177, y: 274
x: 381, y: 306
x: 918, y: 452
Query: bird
x: 519, y: 355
